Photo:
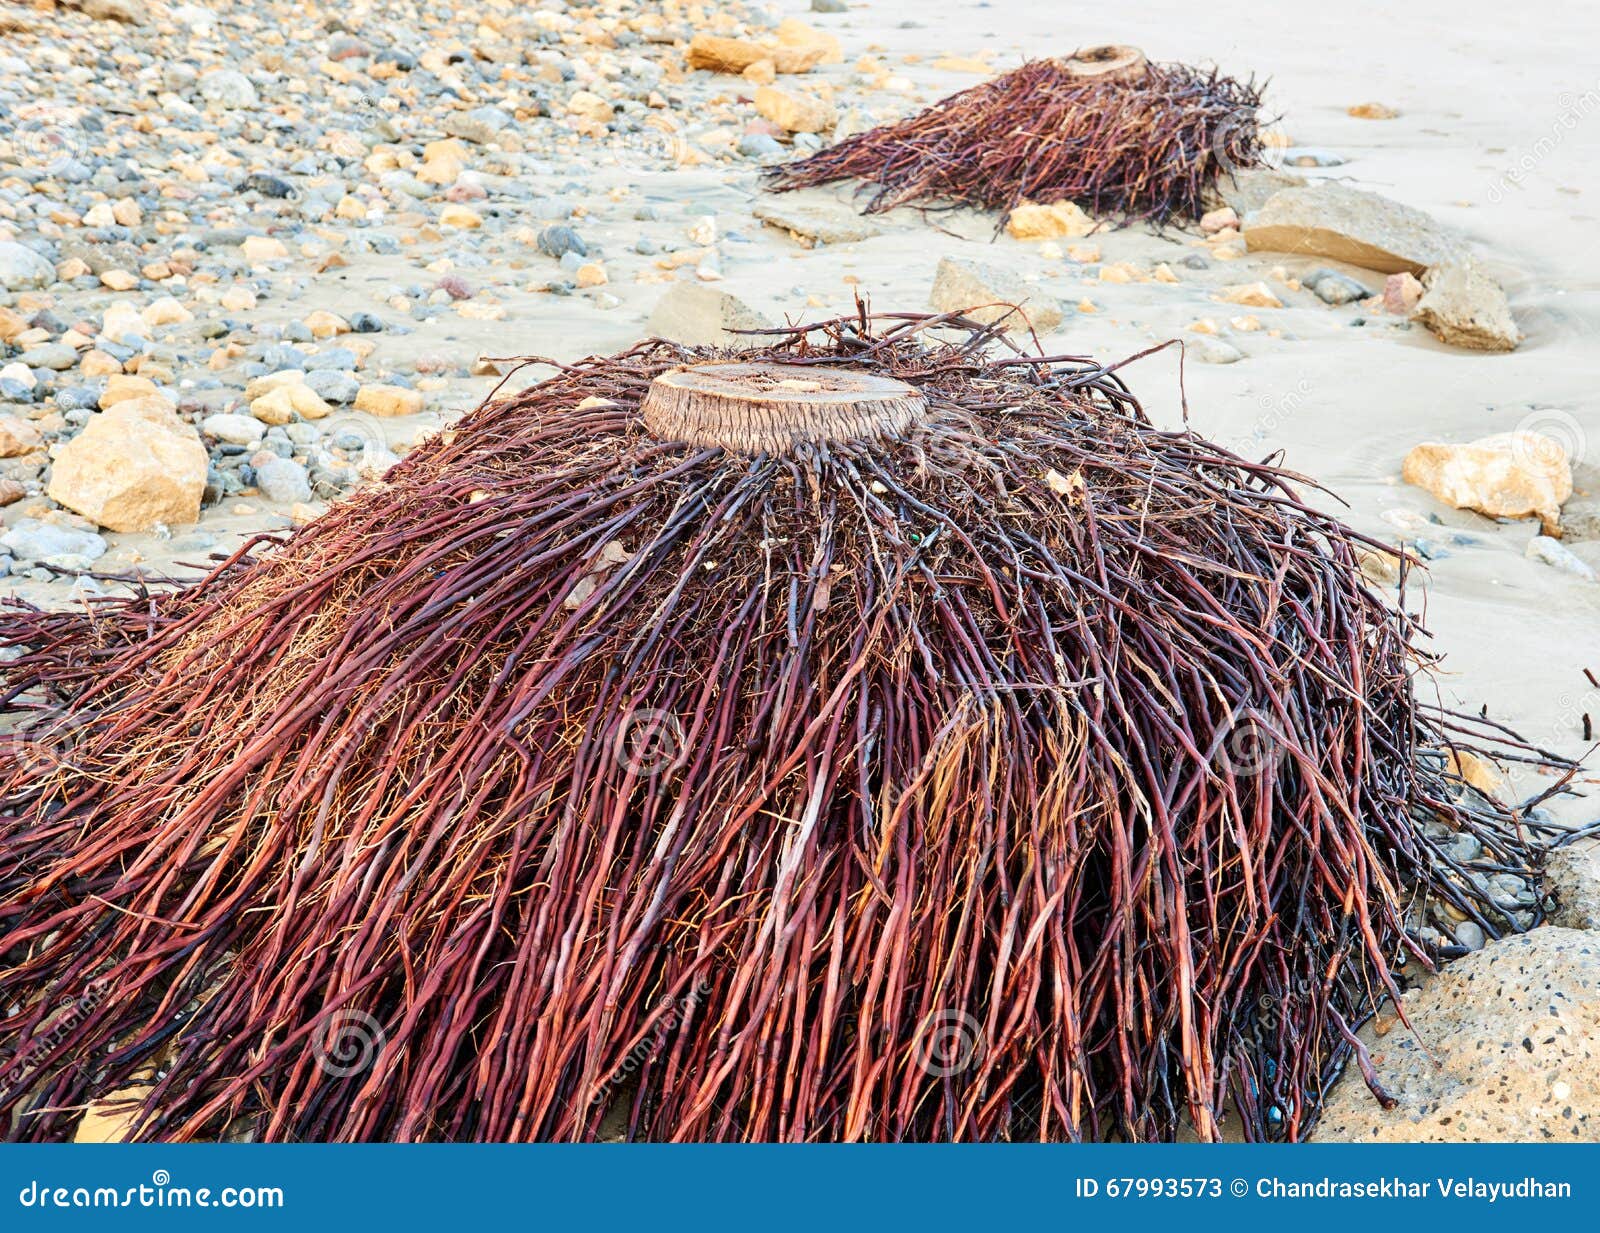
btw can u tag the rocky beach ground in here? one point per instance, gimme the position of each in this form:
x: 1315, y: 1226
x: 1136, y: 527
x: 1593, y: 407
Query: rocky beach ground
x: 251, y: 255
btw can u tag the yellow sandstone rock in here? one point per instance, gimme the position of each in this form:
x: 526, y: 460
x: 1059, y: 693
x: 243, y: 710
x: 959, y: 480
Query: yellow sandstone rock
x: 18, y: 437
x: 260, y: 248
x: 794, y: 112
x: 323, y: 324
x: 132, y: 467
x: 456, y: 215
x: 1059, y: 220
x: 1250, y: 295
x: 97, y: 363
x: 388, y: 400
x: 121, y: 387
x: 1508, y: 475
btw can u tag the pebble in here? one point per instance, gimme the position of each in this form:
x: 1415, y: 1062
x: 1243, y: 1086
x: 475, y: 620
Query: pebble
x: 33, y: 540
x: 1554, y: 553
x: 559, y: 240
x: 22, y: 269
x: 283, y: 481
x: 1332, y: 287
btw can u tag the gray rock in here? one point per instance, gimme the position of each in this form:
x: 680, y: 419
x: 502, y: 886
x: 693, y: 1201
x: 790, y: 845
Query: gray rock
x: 233, y: 429
x: 759, y: 145
x: 1350, y: 225
x: 333, y: 358
x: 1210, y: 350
x: 333, y: 385
x: 1301, y: 156
x: 1556, y: 555
x: 228, y: 89
x: 559, y: 240
x: 1464, y: 307
x: 32, y: 540
x: 701, y: 316
x: 1506, y: 1048
x: 815, y: 224
x: 55, y: 356
x: 829, y: 6
x: 1332, y: 287
x: 1572, y: 876
x: 283, y: 480
x: 1250, y: 189
x: 22, y: 269
x: 990, y: 295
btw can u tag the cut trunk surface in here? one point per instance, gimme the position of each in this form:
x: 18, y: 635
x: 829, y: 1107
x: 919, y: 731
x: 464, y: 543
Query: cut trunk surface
x: 772, y: 408
x: 1113, y: 61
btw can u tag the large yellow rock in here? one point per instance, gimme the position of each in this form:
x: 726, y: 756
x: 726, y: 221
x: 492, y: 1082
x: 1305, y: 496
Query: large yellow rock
x: 388, y: 400
x: 794, y: 112
x: 132, y: 467
x: 1060, y: 219
x: 1508, y: 475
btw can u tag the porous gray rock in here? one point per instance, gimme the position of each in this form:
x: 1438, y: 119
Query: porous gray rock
x: 1572, y: 878
x: 1504, y: 1046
